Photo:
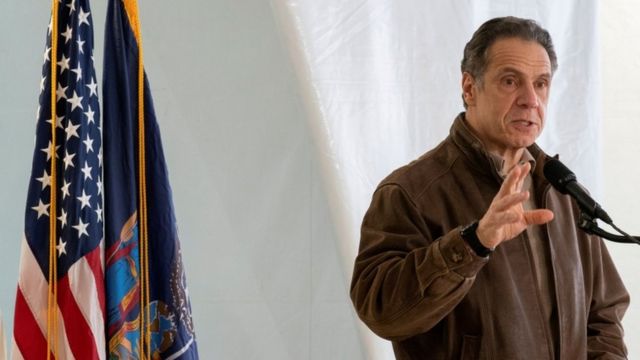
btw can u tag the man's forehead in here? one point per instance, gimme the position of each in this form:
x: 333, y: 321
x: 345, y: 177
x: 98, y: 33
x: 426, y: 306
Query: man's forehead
x: 518, y: 54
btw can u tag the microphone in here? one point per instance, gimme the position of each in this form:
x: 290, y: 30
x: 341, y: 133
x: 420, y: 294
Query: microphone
x: 564, y: 180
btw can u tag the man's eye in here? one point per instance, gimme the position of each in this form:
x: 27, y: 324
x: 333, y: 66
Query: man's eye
x: 541, y: 84
x: 509, y: 82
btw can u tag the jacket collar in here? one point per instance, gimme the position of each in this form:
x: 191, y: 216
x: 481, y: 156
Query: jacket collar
x: 472, y: 147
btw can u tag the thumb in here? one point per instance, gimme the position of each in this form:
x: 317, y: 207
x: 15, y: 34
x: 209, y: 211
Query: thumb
x: 538, y: 217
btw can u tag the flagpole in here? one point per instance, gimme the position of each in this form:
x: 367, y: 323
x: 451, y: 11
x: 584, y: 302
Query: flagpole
x: 52, y: 329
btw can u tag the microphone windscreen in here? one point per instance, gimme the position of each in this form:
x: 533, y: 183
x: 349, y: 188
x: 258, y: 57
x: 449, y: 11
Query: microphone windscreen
x: 558, y: 175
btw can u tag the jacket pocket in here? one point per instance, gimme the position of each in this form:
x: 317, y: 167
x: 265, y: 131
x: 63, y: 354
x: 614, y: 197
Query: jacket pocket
x: 470, y: 347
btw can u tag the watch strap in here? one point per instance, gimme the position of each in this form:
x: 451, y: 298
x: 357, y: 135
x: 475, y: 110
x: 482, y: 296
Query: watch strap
x: 470, y: 236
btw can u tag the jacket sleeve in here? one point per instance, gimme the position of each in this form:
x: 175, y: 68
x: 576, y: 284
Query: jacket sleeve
x: 404, y: 280
x: 608, y: 304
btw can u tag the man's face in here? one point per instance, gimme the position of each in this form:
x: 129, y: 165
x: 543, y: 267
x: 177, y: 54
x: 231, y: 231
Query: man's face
x: 506, y: 107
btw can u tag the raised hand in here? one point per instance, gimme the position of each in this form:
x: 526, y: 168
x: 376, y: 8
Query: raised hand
x: 506, y: 217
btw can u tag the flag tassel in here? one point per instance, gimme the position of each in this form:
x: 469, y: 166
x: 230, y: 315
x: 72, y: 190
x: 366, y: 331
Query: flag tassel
x: 52, y: 328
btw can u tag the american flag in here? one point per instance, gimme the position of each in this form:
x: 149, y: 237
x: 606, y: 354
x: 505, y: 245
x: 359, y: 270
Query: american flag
x: 79, y: 245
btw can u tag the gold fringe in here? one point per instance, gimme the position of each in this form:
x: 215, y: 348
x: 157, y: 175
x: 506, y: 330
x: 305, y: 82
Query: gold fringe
x: 52, y: 303
x: 131, y: 8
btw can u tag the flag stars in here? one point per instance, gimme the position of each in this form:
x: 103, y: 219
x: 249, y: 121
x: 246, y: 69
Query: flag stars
x: 83, y: 17
x: 62, y: 218
x: 99, y: 213
x: 68, y: 159
x: 71, y: 130
x: 72, y: 6
x: 82, y: 228
x: 88, y: 142
x: 90, y: 114
x: 61, y: 247
x: 78, y: 72
x: 41, y: 208
x: 75, y: 101
x: 65, y: 187
x: 61, y: 92
x: 46, y: 54
x: 99, y: 185
x: 84, y: 200
x: 93, y: 88
x: 73, y: 219
x: 67, y: 34
x: 45, y: 180
x: 47, y: 151
x: 64, y: 64
x: 80, y: 43
x: 59, y: 120
x: 86, y: 170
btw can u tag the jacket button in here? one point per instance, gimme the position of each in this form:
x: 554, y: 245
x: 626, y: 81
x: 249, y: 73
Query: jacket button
x: 456, y: 256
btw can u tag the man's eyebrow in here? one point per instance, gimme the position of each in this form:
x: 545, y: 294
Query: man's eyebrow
x: 510, y: 69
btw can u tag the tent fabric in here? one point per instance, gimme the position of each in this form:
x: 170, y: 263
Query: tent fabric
x: 380, y: 81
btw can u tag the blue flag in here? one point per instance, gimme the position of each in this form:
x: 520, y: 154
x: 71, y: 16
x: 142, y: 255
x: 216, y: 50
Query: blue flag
x: 163, y: 299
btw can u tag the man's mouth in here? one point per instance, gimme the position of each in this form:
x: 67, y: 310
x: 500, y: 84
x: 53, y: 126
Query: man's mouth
x: 525, y: 123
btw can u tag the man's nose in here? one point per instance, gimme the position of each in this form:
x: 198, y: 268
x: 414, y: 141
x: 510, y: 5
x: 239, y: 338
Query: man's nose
x: 528, y: 97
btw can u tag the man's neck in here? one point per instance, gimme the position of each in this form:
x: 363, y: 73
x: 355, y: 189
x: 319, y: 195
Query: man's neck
x: 510, y: 157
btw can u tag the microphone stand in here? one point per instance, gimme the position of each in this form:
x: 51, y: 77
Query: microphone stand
x: 589, y: 225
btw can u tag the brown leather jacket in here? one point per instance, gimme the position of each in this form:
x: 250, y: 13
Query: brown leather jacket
x: 417, y: 283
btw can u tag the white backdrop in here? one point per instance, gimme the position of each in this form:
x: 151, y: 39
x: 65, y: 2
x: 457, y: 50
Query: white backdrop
x: 381, y: 82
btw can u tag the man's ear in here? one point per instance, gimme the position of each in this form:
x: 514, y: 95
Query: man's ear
x: 468, y: 89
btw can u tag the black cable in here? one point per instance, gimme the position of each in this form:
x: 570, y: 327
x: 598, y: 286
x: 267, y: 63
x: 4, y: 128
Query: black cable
x: 588, y: 224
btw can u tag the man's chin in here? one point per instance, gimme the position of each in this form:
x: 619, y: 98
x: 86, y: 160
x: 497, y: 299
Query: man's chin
x: 524, y: 140
x: 523, y: 143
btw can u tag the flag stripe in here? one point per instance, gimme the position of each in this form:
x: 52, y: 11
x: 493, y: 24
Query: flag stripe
x: 32, y: 290
x: 15, y: 355
x: 81, y: 338
x: 95, y: 264
x: 29, y: 341
x: 89, y: 295
x: 32, y: 286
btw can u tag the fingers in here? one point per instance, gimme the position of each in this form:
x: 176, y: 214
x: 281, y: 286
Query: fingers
x: 503, y: 211
x: 506, y: 217
x: 515, y: 179
x: 510, y: 182
x: 508, y: 201
x: 538, y: 217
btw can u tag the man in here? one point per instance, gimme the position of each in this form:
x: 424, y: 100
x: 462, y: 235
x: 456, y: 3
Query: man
x: 467, y: 252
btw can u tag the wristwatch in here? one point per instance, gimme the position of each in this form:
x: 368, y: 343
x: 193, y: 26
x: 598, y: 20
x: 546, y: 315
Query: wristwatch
x: 469, y: 235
